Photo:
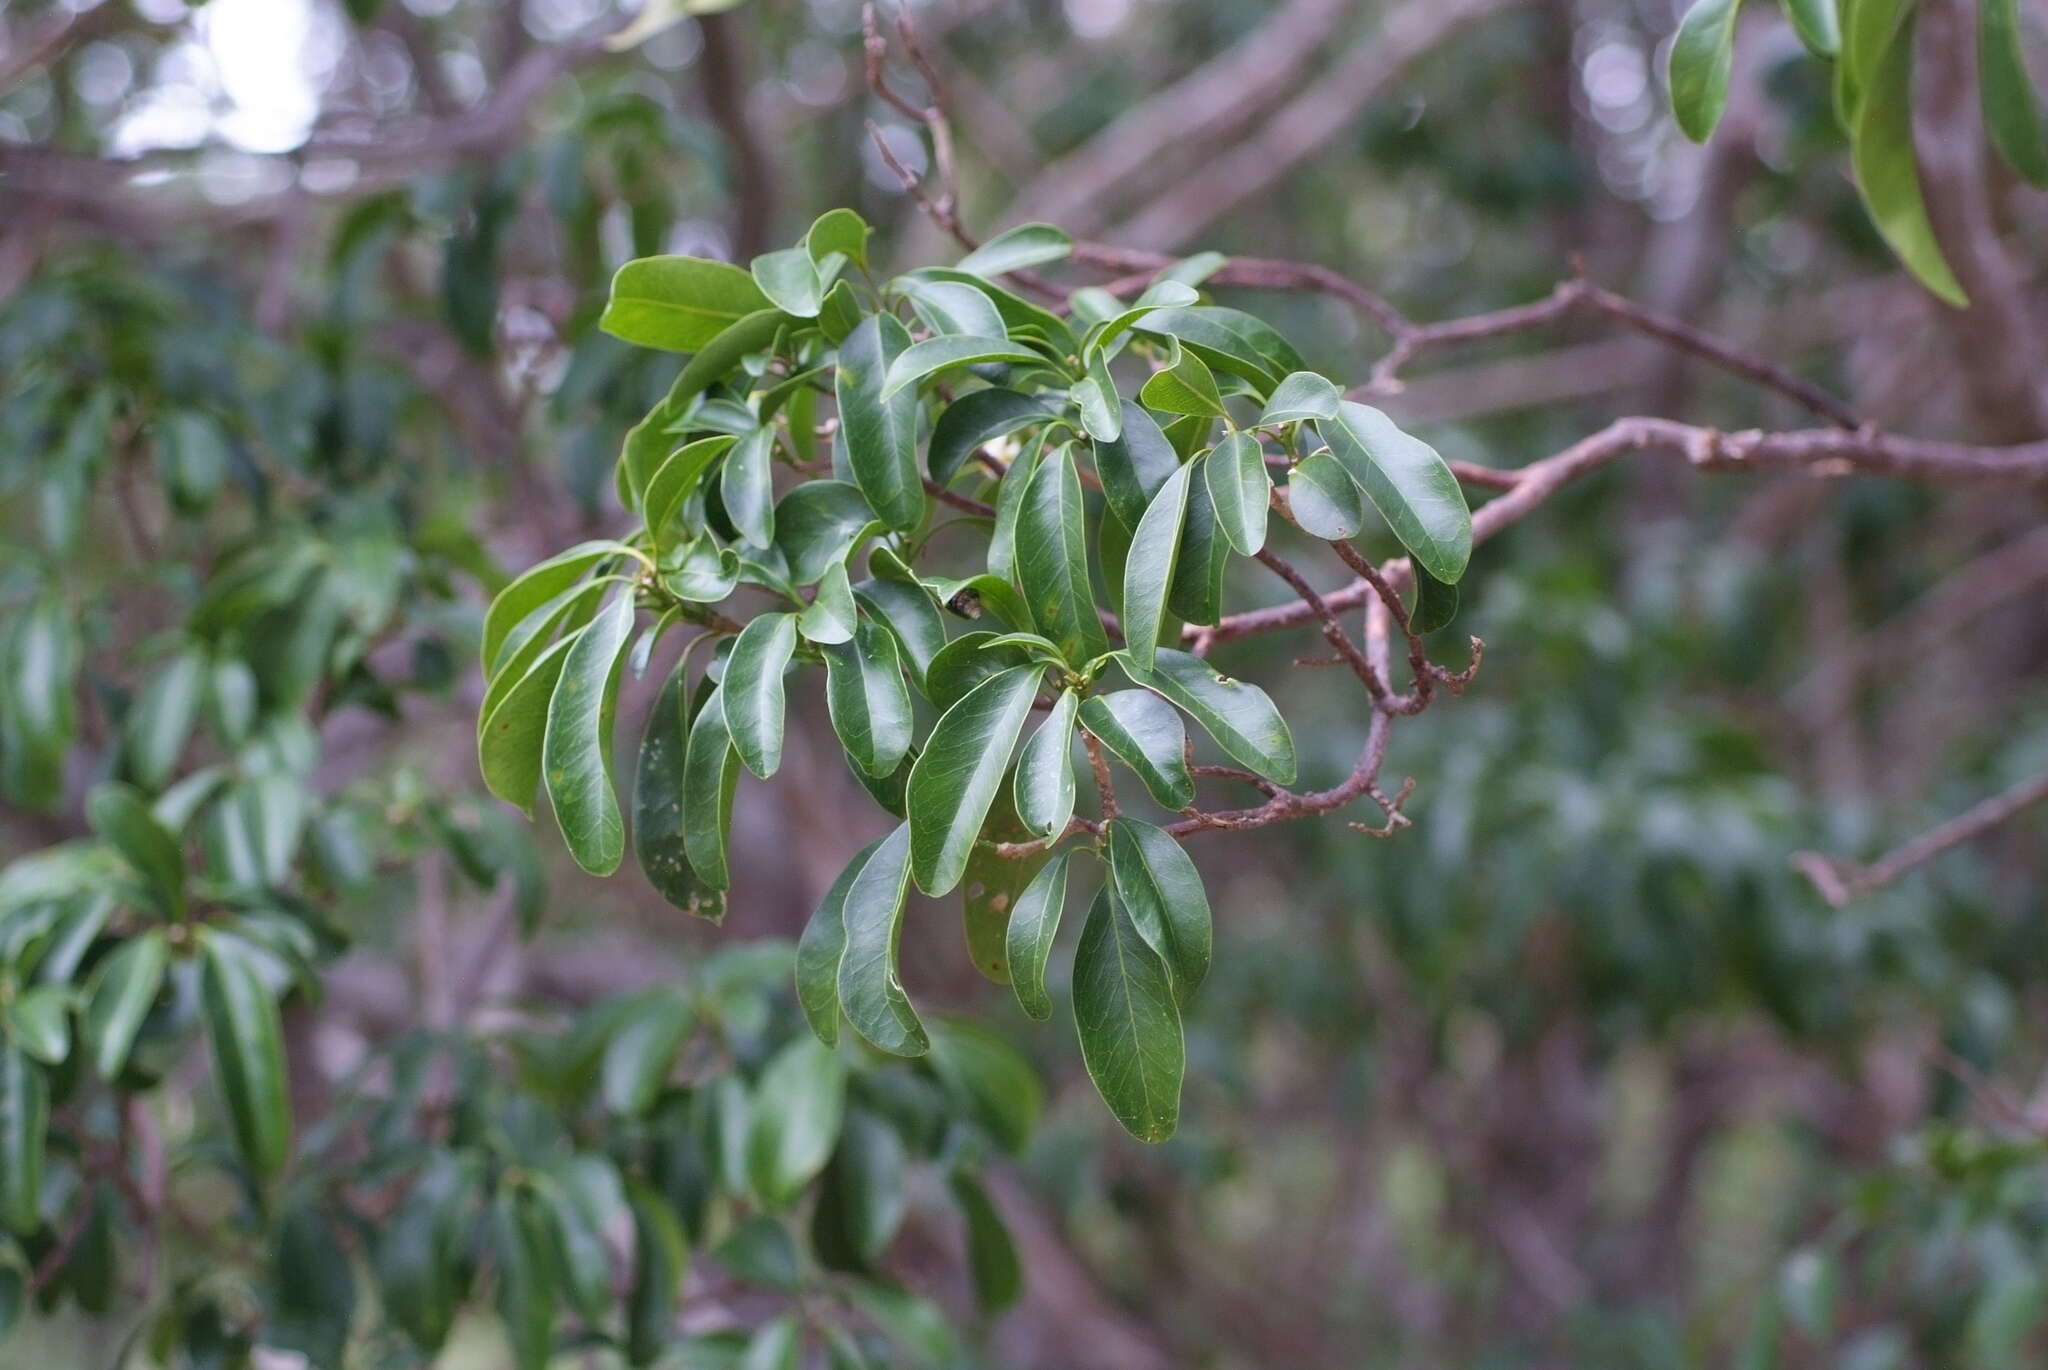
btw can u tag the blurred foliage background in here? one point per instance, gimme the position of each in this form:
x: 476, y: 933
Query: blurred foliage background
x: 297, y: 358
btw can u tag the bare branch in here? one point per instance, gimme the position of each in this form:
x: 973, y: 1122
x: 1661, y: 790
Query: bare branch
x: 1839, y: 883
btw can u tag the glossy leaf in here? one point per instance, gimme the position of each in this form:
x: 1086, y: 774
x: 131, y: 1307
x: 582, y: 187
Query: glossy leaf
x: 974, y: 419
x: 870, y: 990
x: 577, y: 747
x: 865, y: 695
x: 1183, y: 386
x: 992, y: 1260
x: 1128, y: 1022
x: 1229, y: 340
x: 1240, y: 490
x: 1409, y: 484
x: 641, y: 1050
x: 881, y: 434
x: 829, y: 618
x: 1052, y: 560
x: 839, y: 230
x: 1323, y: 498
x: 513, y: 729
x: 956, y: 776
x: 1436, y: 603
x: 861, y: 1203
x: 1149, y: 565
x: 123, y: 989
x: 934, y: 355
x: 678, y: 304
x: 1197, y: 590
x: 1882, y: 153
x: 1161, y: 890
x: 798, y: 1103
x: 525, y: 1286
x: 752, y: 690
x: 660, y: 1258
x: 951, y: 307
x: 121, y: 818
x: 1044, y: 785
x: 1145, y: 733
x: 1301, y: 395
x: 1238, y: 714
x: 248, y: 1053
x: 911, y: 618
x: 39, y: 1022
x: 789, y: 280
x: 818, y: 524
x: 160, y: 720
x: 1034, y: 922
x: 820, y: 949
x: 1095, y: 397
x: 1135, y: 465
x: 1816, y: 24
x: 24, y: 1126
x: 660, y: 803
x: 1018, y: 249
x: 746, y: 487
x: 2012, y: 116
x: 1702, y: 56
x: 711, y: 770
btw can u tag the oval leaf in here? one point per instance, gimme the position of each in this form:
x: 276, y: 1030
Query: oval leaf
x: 1239, y: 715
x: 881, y: 434
x: 752, y: 690
x: 1240, y: 490
x: 1045, y: 771
x: 1033, y: 924
x: 1129, y: 1025
x: 1052, y: 560
x: 870, y: 991
x: 865, y: 695
x: 576, y: 748
x: 955, y: 778
x: 1409, y: 484
x: 1145, y: 733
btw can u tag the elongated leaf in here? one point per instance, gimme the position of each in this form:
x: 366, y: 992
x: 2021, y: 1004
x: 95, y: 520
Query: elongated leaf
x: 660, y: 803
x: 869, y: 705
x: 991, y: 1254
x: 123, y: 989
x: 746, y: 486
x: 1145, y: 733
x: 526, y: 1288
x: 1149, y: 565
x: 861, y: 1203
x: 830, y: 617
x: 989, y: 1080
x: 881, y: 434
x: 1229, y: 340
x: 974, y: 419
x: 1128, y: 1022
x: 1184, y: 386
x: 1301, y: 395
x: 1033, y: 924
x: 955, y: 778
x: 1096, y: 398
x: 660, y: 1257
x: 952, y: 307
x: 817, y: 524
x: 1436, y: 603
x: 752, y: 690
x: 248, y: 1054
x: 123, y: 820
x: 790, y: 281
x: 678, y: 304
x: 1702, y: 56
x: 641, y: 1051
x: 24, y: 1125
x: 1045, y: 771
x: 1882, y: 153
x: 820, y: 949
x: 577, y: 748
x: 1024, y: 246
x: 711, y: 771
x: 798, y: 1104
x: 1323, y: 498
x: 1197, y: 590
x: 1016, y: 483
x: 1161, y: 890
x: 1021, y: 318
x: 511, y: 732
x: 933, y: 355
x: 911, y: 618
x: 870, y: 990
x: 1239, y: 715
x: 1052, y: 560
x: 2011, y: 114
x: 39, y: 1021
x: 1240, y: 490
x: 1816, y: 24
x: 1135, y: 465
x: 1407, y: 481
x: 162, y: 716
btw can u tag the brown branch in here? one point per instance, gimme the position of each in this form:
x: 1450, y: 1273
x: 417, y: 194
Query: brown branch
x: 1839, y: 882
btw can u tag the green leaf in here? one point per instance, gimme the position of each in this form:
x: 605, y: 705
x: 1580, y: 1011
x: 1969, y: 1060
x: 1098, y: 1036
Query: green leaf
x: 942, y: 353
x: 1407, y: 481
x: 313, y: 1294
x: 1095, y: 396
x: 1197, y: 590
x: 817, y: 524
x: 1436, y: 603
x: 510, y: 737
x: 711, y: 771
x: 746, y: 486
x: 829, y: 618
x: 912, y: 619
x: 861, y: 1202
x: 660, y: 802
x: 869, y: 705
x: 1149, y: 565
x: 2011, y: 114
x: 1239, y: 715
x: 952, y: 307
x: 24, y: 1123
x: 870, y: 990
x: 162, y: 716
x: 1052, y: 560
x: 1815, y: 23
x: 1021, y: 248
x: 881, y: 434
x: 1161, y: 890
x: 1145, y: 733
x: 39, y: 1022
x: 660, y: 1258
x: 1135, y: 465
x: 678, y: 304
x: 1021, y: 318
x: 752, y: 690
x: 1882, y: 153
x: 774, y: 1346
x: 1301, y: 395
x: 1183, y: 386
x: 526, y: 1291
x: 1702, y: 56
x: 988, y: 1080
x: 123, y: 820
x: 123, y: 989
x: 797, y: 1108
x: 1241, y: 490
x: 248, y: 1053
x: 423, y: 1246
x: 841, y: 231
x: 790, y: 281
x: 642, y: 1047
x: 577, y: 746
x: 1323, y: 498
x: 651, y: 441
x: 955, y: 778
x: 1229, y: 340
x: 1016, y: 483
x: 1045, y: 771
x: 991, y: 1255
x: 1033, y: 923
x: 1128, y: 1022
x: 968, y: 660
x: 974, y: 419
x: 820, y: 949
